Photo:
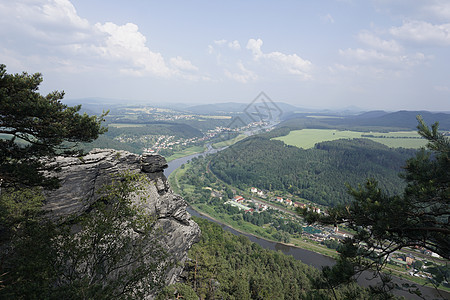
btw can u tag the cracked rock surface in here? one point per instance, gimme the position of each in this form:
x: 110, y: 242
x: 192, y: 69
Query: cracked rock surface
x: 82, y: 177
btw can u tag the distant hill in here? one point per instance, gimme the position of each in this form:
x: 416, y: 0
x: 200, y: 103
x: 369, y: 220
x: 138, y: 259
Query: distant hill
x: 405, y: 119
x: 318, y: 174
x: 229, y: 107
x: 278, y: 108
x: 94, y: 106
x: 372, y: 120
x: 371, y: 114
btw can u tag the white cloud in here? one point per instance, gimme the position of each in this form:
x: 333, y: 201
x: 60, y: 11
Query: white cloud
x: 378, y: 57
x: 371, y: 63
x: 58, y: 12
x: 220, y: 42
x: 64, y: 41
x: 47, y: 21
x: 234, y: 45
x: 210, y: 49
x: 389, y: 61
x: 182, y: 64
x: 244, y: 74
x: 255, y: 47
x: 440, y: 9
x: 126, y: 43
x: 375, y: 42
x: 291, y: 63
x: 424, y: 33
x: 431, y: 10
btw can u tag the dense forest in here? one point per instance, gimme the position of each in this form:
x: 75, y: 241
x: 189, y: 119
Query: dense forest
x: 225, y: 266
x: 317, y: 174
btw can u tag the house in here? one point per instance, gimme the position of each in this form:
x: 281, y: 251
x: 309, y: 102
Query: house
x: 409, y: 259
x: 238, y: 198
x: 253, y: 190
x: 260, y: 193
x: 279, y: 199
x: 298, y: 204
x: 316, y: 209
x: 288, y: 202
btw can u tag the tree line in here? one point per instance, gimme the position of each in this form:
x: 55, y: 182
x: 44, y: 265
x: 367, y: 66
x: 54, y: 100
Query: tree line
x: 319, y: 175
x: 224, y: 266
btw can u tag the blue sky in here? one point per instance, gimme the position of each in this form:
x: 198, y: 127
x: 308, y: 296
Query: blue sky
x: 373, y: 54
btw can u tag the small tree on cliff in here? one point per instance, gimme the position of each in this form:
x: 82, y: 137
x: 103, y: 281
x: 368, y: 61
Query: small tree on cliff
x: 384, y: 224
x: 110, y: 252
x: 33, y: 126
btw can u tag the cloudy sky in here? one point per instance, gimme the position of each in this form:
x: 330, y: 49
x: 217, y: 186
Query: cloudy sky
x: 372, y: 54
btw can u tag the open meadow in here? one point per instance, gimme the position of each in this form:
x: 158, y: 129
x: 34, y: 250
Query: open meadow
x: 307, y: 138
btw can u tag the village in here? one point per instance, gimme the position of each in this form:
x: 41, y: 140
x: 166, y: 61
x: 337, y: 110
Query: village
x: 317, y: 233
x: 415, y: 261
x: 172, y: 142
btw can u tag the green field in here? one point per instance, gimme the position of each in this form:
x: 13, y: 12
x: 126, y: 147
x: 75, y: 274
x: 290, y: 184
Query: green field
x: 174, y: 181
x: 307, y: 138
x: 186, y: 152
x: 229, y: 142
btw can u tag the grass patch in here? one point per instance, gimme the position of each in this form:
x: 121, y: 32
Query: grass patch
x: 307, y: 138
x: 186, y: 152
x: 174, y: 180
x: 229, y: 142
x: 315, y: 247
x: 239, y: 225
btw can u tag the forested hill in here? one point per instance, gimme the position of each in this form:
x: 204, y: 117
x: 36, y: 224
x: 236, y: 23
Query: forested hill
x: 317, y: 174
x: 225, y: 266
x: 373, y: 120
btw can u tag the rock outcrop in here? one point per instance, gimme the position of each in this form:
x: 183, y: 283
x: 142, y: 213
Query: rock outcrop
x: 81, y: 178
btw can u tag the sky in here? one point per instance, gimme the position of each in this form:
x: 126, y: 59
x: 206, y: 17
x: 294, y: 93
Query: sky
x: 330, y: 54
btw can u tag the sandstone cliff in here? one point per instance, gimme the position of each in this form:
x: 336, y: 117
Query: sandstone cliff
x: 82, y: 177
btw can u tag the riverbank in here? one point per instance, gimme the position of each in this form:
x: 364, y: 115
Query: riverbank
x: 218, y: 221
x: 186, y: 152
x: 318, y: 261
x: 245, y: 227
x: 311, y: 256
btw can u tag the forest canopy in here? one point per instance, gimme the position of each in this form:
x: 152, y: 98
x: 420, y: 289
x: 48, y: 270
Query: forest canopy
x: 419, y: 216
x: 318, y: 174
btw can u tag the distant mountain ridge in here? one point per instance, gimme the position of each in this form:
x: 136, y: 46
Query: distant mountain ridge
x: 399, y: 120
x: 403, y: 118
x: 235, y: 107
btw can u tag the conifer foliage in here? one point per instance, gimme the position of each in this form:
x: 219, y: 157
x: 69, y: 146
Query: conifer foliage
x: 383, y: 224
x: 33, y: 126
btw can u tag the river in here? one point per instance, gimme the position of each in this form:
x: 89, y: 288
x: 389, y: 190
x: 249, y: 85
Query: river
x: 311, y: 258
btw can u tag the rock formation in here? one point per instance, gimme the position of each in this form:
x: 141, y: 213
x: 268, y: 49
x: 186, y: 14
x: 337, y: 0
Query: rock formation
x: 82, y: 177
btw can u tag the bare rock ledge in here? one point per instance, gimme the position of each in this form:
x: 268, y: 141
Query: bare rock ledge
x: 82, y: 177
